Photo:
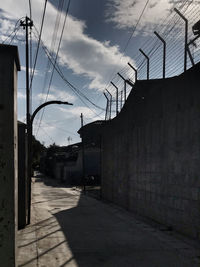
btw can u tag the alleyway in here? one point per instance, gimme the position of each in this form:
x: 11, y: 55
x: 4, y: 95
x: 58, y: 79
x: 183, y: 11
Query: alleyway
x: 71, y: 229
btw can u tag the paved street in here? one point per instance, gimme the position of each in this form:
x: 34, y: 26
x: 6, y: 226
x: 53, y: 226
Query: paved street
x: 71, y: 229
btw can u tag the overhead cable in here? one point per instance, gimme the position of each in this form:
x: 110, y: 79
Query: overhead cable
x: 38, y: 45
x: 53, y: 41
x: 71, y: 86
x: 16, y: 27
x: 55, y: 61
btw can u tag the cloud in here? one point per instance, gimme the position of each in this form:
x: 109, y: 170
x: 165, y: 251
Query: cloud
x: 47, y: 132
x: 20, y: 95
x: 50, y: 127
x: 52, y: 130
x: 87, y: 56
x: 6, y: 25
x: 93, y: 59
x: 74, y: 111
x: 125, y: 14
x: 79, y: 52
x: 56, y: 94
x: 36, y: 72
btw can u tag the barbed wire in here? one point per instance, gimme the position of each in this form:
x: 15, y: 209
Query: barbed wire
x: 172, y: 31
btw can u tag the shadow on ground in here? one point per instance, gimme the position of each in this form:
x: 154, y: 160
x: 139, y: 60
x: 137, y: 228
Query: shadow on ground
x: 76, y: 230
x: 90, y: 190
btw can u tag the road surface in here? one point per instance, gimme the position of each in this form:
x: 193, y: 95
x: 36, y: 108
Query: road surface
x: 71, y: 229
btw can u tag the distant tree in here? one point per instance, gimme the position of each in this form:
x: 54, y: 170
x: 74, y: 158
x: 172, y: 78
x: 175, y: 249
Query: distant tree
x: 52, y: 149
x: 49, y: 158
x: 37, y: 150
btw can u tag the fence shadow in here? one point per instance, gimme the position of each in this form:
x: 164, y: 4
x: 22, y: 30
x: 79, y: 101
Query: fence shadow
x: 100, y: 236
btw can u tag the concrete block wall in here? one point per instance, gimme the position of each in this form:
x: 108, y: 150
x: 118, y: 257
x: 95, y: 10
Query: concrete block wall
x: 22, y: 176
x: 151, y: 152
x: 9, y: 65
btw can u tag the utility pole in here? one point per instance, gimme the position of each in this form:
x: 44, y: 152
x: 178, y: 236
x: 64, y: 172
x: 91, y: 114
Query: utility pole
x: 83, y: 155
x: 27, y: 23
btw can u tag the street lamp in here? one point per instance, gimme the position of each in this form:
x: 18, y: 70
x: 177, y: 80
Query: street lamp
x: 30, y: 148
x: 46, y: 104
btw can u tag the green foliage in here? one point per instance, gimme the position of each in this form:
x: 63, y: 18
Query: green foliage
x: 37, y: 150
x: 52, y: 149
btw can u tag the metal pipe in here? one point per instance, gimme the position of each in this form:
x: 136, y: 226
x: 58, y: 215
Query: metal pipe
x: 121, y: 98
x: 83, y: 155
x: 147, y: 58
x: 30, y: 142
x: 117, y: 91
x: 46, y: 104
x: 192, y: 41
x: 125, y: 91
x: 190, y: 56
x: 188, y: 49
x: 134, y: 70
x: 164, y: 52
x: 107, y: 104
x: 124, y: 85
x: 110, y: 102
x: 121, y: 76
x: 186, y: 37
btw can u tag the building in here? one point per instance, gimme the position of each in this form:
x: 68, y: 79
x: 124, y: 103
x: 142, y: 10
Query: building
x: 22, y: 176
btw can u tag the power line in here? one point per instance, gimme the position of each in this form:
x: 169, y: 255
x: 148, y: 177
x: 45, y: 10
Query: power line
x: 14, y: 36
x: 38, y: 45
x: 58, y: 50
x: 55, y: 61
x: 13, y: 31
x: 71, y: 86
x: 138, y: 21
x: 48, y: 135
x: 58, y: 128
x: 127, y: 43
x: 53, y: 41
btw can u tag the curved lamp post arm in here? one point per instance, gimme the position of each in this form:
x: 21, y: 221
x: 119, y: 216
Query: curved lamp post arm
x: 46, y: 104
x: 30, y: 150
x: 29, y: 167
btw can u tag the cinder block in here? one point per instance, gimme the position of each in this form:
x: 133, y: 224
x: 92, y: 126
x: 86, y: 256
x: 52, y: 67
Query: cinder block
x: 9, y: 65
x: 195, y: 193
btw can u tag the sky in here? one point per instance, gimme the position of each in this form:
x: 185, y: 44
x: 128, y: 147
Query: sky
x: 99, y: 38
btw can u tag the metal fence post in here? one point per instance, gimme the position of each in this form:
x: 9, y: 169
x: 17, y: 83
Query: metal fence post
x: 124, y: 85
x: 164, y: 52
x: 121, y: 99
x: 117, y: 91
x: 147, y: 58
x: 186, y: 37
x: 107, y: 105
x: 110, y: 103
x: 134, y: 70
